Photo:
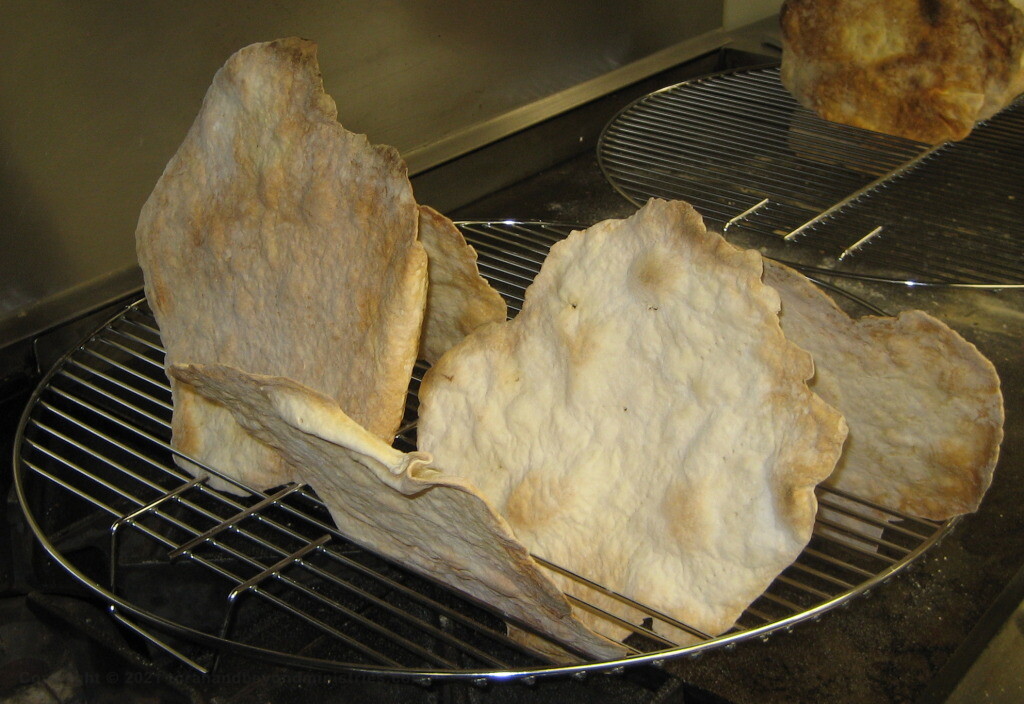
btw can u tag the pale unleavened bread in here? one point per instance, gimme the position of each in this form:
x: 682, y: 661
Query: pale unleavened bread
x: 281, y: 243
x: 392, y: 503
x: 926, y: 71
x: 924, y: 406
x: 643, y: 421
x: 459, y: 300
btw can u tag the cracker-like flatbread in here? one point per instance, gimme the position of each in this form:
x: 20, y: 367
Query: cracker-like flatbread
x: 927, y: 71
x: 279, y: 242
x: 459, y: 300
x: 924, y: 406
x: 392, y: 503
x: 643, y: 421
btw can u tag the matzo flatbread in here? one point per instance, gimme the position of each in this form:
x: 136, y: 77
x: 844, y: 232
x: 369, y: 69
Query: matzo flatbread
x: 459, y: 300
x: 392, y: 503
x: 926, y: 71
x: 279, y: 242
x: 923, y: 404
x: 643, y: 421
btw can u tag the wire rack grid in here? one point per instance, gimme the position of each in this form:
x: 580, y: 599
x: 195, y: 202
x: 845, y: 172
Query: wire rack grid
x: 96, y: 476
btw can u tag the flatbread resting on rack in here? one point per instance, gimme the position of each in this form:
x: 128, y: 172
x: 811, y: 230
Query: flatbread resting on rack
x: 926, y: 71
x: 643, y: 421
x: 279, y: 242
x: 459, y: 300
x: 392, y: 503
x: 924, y: 405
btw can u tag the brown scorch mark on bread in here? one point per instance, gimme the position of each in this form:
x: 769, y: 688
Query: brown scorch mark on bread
x: 278, y: 241
x: 927, y: 71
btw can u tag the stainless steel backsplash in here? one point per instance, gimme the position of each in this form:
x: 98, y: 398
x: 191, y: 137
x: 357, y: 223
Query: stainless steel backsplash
x: 96, y: 97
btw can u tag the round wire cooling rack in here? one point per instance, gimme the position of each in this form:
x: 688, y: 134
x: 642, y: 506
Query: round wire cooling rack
x: 822, y: 196
x: 197, y: 571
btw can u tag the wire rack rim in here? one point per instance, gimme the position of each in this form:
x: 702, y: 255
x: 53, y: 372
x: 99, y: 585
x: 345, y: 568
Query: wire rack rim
x: 417, y: 673
x: 753, y: 76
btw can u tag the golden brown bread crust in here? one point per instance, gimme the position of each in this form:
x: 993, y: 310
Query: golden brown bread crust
x: 280, y: 242
x: 459, y: 300
x: 924, y: 406
x: 926, y: 70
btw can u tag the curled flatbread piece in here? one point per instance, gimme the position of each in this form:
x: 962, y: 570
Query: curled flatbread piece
x: 643, y: 421
x: 926, y: 71
x: 459, y: 300
x: 924, y: 405
x: 279, y: 242
x: 393, y: 503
